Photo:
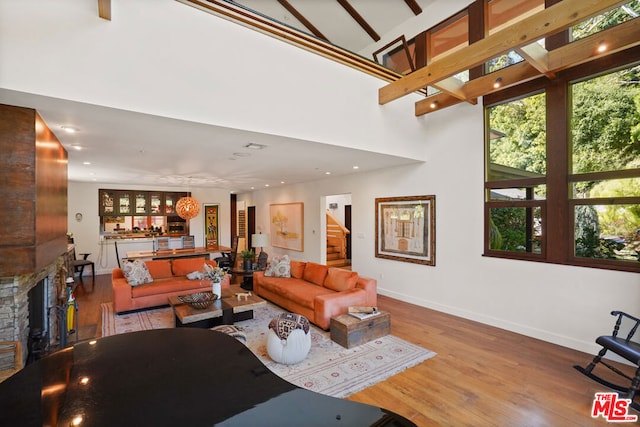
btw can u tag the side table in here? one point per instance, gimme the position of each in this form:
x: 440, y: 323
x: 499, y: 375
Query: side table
x: 349, y: 331
x: 247, y: 277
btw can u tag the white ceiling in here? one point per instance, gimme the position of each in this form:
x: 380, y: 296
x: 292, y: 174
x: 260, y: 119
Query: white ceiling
x: 125, y: 147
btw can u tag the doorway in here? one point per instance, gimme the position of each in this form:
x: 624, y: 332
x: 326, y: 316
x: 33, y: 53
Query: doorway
x: 338, y: 230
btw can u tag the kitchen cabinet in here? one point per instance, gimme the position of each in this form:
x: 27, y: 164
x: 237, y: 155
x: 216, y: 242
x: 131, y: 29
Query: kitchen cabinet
x: 156, y: 203
x: 170, y: 200
x: 137, y: 202
x: 124, y: 203
x: 107, y: 202
x: 141, y: 200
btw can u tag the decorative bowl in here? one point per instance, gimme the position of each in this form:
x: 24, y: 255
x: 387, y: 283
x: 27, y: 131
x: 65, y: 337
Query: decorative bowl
x: 200, y: 300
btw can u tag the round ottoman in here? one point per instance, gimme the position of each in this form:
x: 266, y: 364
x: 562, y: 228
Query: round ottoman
x: 289, y: 339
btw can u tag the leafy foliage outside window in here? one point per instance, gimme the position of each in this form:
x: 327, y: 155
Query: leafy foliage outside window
x: 606, y: 20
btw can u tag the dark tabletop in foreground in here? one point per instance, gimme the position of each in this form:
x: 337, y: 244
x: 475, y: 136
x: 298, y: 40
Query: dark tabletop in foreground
x: 177, y: 377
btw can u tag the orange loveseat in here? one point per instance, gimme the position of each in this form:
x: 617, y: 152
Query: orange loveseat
x: 317, y: 291
x: 169, y: 278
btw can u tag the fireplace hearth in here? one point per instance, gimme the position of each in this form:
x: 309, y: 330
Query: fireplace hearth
x: 26, y: 313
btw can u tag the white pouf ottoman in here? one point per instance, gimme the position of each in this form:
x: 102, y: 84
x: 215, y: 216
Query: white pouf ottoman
x: 289, y: 338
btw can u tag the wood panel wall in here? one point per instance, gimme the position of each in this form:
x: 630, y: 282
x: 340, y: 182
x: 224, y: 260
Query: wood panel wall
x: 33, y: 194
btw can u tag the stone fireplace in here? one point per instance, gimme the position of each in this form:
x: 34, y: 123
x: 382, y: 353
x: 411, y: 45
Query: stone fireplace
x: 14, y: 305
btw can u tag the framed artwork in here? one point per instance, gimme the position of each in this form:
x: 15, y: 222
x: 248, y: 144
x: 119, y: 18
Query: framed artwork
x: 211, y: 238
x: 406, y: 229
x: 287, y: 225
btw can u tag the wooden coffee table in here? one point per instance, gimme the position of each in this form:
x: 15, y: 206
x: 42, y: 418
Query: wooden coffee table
x: 224, y: 311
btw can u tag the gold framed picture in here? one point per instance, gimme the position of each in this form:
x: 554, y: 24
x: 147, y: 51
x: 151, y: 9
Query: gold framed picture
x: 406, y: 229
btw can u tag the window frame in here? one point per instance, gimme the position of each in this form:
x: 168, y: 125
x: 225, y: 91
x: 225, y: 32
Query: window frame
x: 558, y: 238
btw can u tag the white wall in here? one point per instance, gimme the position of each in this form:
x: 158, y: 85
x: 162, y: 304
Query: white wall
x: 166, y: 58
x: 565, y: 305
x: 83, y: 198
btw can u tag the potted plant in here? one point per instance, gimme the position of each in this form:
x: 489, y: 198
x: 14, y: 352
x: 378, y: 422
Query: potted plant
x: 248, y: 256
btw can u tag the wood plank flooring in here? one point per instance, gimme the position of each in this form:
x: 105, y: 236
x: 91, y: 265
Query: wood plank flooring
x: 481, y: 376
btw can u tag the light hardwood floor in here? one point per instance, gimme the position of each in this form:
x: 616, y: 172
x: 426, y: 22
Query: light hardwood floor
x: 481, y: 376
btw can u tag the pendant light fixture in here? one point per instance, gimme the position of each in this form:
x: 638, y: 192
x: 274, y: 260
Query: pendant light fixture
x: 187, y: 207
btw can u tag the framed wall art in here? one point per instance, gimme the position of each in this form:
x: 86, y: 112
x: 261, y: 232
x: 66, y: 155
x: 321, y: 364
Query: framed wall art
x: 406, y: 229
x: 211, y: 237
x: 287, y: 225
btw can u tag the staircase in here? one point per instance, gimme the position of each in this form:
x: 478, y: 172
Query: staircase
x: 336, y: 242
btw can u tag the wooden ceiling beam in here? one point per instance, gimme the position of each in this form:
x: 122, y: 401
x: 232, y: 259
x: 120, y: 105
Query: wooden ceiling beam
x: 537, y: 56
x: 507, y: 77
x: 547, y: 22
x: 453, y: 86
x: 414, y: 6
x: 620, y: 37
x: 615, y: 39
x: 359, y: 19
x: 104, y: 9
x: 303, y: 20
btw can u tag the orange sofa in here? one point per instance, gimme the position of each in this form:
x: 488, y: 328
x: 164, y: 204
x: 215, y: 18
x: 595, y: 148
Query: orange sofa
x: 169, y: 278
x: 317, y: 291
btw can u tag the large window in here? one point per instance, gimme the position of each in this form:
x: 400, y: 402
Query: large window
x: 516, y: 175
x: 562, y: 168
x: 605, y: 153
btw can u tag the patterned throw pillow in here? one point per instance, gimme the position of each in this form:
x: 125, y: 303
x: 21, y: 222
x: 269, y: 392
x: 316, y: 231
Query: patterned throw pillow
x: 136, y: 273
x: 279, y: 267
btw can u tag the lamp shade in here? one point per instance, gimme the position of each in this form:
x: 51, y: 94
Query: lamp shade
x: 187, y: 207
x: 259, y: 240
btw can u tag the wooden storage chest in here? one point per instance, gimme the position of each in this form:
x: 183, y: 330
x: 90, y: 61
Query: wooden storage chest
x: 349, y: 331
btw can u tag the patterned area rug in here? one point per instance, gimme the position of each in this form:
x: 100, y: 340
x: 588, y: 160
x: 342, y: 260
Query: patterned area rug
x: 329, y: 368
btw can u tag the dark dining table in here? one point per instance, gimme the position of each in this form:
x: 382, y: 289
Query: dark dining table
x: 169, y: 377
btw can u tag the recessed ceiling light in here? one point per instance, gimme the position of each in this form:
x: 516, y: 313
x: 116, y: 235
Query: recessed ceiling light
x: 281, y: 182
x: 356, y: 167
x: 241, y: 154
x: 266, y: 185
x: 254, y: 146
x: 253, y: 188
x: 86, y: 163
x: 602, y: 47
x: 76, y: 147
x: 69, y: 129
x: 327, y: 173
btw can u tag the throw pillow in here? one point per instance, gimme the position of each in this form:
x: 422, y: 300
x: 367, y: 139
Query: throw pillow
x: 340, y: 280
x: 136, y: 273
x: 297, y: 268
x: 279, y: 267
x: 315, y: 273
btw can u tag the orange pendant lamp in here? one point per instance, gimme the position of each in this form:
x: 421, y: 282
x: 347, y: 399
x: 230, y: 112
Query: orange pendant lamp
x: 187, y: 207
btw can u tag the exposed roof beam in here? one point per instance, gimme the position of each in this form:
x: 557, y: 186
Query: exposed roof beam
x: 414, y: 6
x: 359, y: 19
x: 512, y: 75
x: 104, y: 9
x: 547, y: 22
x: 615, y: 39
x: 453, y: 86
x: 537, y: 56
x: 300, y: 17
x: 620, y: 37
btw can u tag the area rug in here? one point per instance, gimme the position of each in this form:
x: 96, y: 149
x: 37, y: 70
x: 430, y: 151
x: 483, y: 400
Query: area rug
x: 328, y: 369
